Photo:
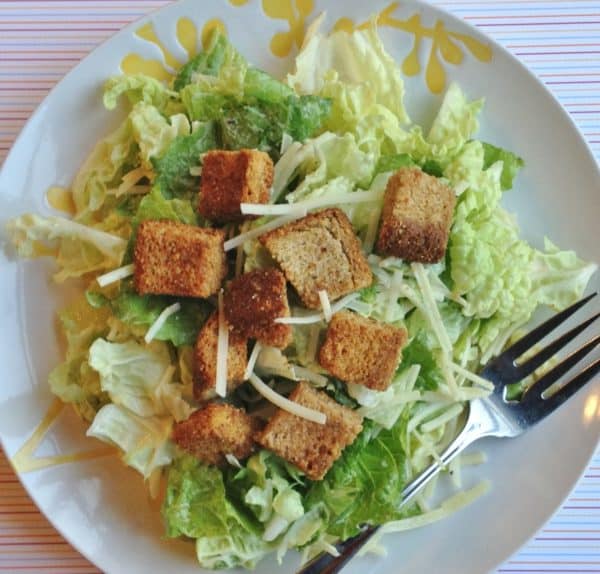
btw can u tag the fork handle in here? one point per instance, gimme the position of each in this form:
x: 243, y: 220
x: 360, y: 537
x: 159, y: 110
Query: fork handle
x: 476, y: 426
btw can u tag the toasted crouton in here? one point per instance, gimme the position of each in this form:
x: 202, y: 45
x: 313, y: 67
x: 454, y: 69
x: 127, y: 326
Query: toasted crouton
x: 362, y: 351
x: 205, y: 364
x: 312, y: 447
x: 320, y: 252
x: 233, y: 177
x: 253, y: 301
x: 416, y: 217
x: 216, y: 430
x: 172, y: 258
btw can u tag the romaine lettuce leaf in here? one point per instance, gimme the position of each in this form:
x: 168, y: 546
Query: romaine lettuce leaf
x: 134, y: 377
x: 78, y: 249
x: 137, y: 88
x: 365, y: 484
x: 144, y: 440
x: 196, y: 505
x: 173, y: 167
x: 181, y: 328
x: 511, y: 163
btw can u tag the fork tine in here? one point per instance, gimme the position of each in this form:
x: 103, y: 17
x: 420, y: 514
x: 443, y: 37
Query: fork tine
x: 549, y: 405
x: 550, y: 350
x: 533, y: 337
x: 561, y: 369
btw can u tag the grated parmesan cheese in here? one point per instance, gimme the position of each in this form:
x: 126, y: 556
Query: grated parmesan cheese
x: 160, y: 321
x: 257, y: 231
x: 222, y: 351
x: 326, y: 305
x: 252, y: 360
x: 116, y: 275
x: 232, y: 460
x: 311, y: 376
x: 285, y: 404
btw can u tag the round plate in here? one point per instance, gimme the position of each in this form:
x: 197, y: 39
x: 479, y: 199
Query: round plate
x: 99, y: 505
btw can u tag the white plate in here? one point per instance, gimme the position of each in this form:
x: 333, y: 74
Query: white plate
x: 99, y: 505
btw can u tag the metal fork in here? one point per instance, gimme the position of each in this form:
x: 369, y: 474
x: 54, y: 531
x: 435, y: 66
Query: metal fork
x: 495, y: 415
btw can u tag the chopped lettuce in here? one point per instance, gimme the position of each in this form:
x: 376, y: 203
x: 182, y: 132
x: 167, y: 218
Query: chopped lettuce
x: 144, y: 441
x: 137, y: 88
x: 77, y: 248
x: 173, y: 167
x: 511, y: 163
x: 181, y: 328
x: 196, y: 505
x: 134, y: 377
x: 365, y: 483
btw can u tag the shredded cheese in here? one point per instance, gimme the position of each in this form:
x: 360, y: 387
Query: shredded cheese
x: 470, y: 376
x: 129, y: 180
x: 232, y: 460
x: 448, y: 507
x: 222, y: 351
x: 258, y: 231
x: 252, y: 360
x: 196, y: 170
x: 442, y: 419
x: 325, y: 305
x: 160, y: 321
x: 371, y: 234
x: 302, y: 320
x: 285, y: 404
x: 310, y: 204
x: 116, y: 275
x: 318, y: 317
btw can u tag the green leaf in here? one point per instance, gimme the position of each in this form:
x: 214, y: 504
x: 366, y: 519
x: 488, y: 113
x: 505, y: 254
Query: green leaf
x: 180, y: 328
x: 393, y: 163
x: 512, y: 163
x: 196, y: 506
x: 173, y: 167
x: 365, y: 484
x: 417, y: 353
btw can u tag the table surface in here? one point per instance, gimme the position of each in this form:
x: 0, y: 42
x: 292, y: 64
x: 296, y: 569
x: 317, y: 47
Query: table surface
x: 559, y: 40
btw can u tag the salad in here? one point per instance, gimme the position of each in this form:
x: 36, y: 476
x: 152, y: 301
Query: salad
x: 287, y: 291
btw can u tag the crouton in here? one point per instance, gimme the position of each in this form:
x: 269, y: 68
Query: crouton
x: 362, y: 351
x: 416, y: 217
x: 320, y: 252
x: 172, y: 258
x: 216, y: 430
x: 205, y: 360
x: 233, y: 177
x: 253, y: 301
x: 312, y: 447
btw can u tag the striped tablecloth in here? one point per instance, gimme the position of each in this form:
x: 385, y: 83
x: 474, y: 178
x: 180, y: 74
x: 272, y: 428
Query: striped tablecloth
x: 559, y: 40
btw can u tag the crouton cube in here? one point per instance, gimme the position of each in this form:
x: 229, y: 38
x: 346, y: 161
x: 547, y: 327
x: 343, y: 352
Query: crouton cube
x: 416, y: 217
x: 320, y: 252
x: 233, y: 177
x: 205, y: 360
x: 312, y: 447
x: 252, y: 303
x: 172, y: 258
x: 362, y: 351
x: 216, y: 430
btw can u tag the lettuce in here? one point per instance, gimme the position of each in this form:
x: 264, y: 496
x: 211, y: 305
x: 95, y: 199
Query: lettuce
x: 365, y: 484
x: 197, y: 506
x: 511, y: 163
x: 173, y: 167
x: 77, y: 248
x: 153, y: 132
x: 144, y: 441
x: 181, y: 328
x: 156, y: 206
x: 358, y: 60
x: 137, y: 88
x: 134, y: 377
x: 103, y: 169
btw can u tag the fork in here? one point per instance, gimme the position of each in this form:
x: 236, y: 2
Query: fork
x: 495, y: 415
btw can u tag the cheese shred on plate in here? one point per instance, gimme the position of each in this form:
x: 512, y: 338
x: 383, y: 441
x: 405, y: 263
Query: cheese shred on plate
x: 258, y: 231
x: 285, y: 404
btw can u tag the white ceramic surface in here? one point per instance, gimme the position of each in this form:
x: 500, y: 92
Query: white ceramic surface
x: 100, y: 506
